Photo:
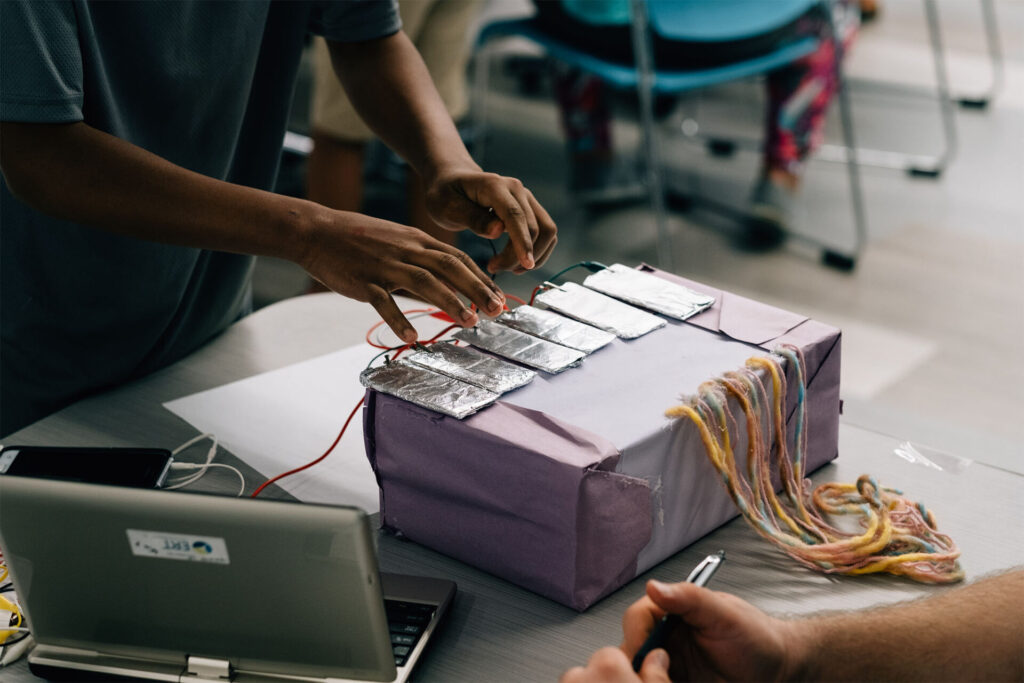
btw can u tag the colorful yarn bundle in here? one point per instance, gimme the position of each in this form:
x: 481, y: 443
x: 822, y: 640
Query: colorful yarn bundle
x: 895, y: 534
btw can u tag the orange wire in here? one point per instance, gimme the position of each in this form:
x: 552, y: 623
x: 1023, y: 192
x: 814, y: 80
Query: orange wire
x: 514, y: 298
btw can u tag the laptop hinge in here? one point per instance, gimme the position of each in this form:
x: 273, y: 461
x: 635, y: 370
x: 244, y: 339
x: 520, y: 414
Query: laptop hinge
x: 209, y: 669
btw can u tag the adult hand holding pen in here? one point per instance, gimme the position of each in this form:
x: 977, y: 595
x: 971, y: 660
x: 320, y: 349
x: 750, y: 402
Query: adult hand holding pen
x: 721, y: 638
x: 972, y: 632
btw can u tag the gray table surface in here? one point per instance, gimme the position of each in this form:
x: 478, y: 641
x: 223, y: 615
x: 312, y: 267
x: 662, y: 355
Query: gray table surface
x: 496, y: 630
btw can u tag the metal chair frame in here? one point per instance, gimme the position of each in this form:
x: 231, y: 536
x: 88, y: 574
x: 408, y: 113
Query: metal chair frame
x: 917, y: 165
x: 646, y: 82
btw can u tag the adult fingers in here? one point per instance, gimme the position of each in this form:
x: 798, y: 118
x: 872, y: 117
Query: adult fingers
x: 495, y: 192
x: 547, y: 235
x: 461, y: 212
x: 698, y: 607
x: 509, y: 258
x: 577, y: 674
x: 609, y: 665
x: 655, y: 667
x: 547, y: 252
x: 637, y: 622
x: 544, y: 237
x: 381, y: 300
x: 427, y: 285
x: 458, y: 271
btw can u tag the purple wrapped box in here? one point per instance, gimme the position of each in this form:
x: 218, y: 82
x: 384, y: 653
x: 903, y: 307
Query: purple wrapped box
x: 575, y: 484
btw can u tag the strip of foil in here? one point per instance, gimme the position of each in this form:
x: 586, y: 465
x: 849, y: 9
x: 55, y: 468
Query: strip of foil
x: 428, y: 389
x: 651, y: 292
x: 519, y: 346
x: 555, y: 328
x: 599, y: 310
x: 470, y: 365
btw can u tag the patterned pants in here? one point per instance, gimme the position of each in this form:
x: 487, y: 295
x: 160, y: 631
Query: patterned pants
x: 798, y: 98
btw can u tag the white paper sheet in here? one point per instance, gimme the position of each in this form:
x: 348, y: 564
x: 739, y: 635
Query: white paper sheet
x: 287, y: 417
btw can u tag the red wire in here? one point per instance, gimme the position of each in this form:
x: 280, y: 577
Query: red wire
x: 534, y: 293
x: 270, y: 481
x: 344, y: 427
x: 514, y: 298
x: 381, y: 322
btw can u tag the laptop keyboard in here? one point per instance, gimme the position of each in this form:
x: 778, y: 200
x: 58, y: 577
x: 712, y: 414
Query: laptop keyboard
x: 407, y: 621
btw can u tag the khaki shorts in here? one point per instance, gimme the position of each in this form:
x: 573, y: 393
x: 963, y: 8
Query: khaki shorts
x: 439, y: 30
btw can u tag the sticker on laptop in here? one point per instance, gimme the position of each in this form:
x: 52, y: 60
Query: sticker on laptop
x: 168, y: 546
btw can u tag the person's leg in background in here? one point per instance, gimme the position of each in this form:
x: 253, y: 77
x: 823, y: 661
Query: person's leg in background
x: 798, y: 99
x: 439, y: 30
x: 586, y: 122
x: 443, y: 41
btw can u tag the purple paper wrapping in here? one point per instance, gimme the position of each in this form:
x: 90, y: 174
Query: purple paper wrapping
x: 575, y: 484
x: 512, y: 491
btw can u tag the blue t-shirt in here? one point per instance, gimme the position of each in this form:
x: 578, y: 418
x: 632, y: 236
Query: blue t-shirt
x: 205, y: 85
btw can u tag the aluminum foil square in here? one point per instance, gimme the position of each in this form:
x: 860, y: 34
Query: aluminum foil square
x: 521, y: 347
x: 428, y: 389
x: 470, y: 365
x: 555, y: 328
x: 599, y: 310
x: 651, y: 292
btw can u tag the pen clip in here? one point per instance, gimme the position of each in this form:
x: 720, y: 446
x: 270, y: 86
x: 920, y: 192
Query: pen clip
x: 699, y: 569
x: 707, y: 566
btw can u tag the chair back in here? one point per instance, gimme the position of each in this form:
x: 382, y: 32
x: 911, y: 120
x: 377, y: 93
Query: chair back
x: 722, y: 20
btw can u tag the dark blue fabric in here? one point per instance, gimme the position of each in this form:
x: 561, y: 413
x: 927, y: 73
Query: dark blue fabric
x: 206, y: 85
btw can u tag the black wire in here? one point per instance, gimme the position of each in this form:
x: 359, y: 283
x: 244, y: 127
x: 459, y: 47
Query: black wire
x: 15, y: 639
x: 393, y: 348
x: 592, y: 266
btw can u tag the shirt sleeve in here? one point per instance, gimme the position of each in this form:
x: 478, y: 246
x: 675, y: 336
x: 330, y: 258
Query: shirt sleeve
x: 349, y: 21
x: 41, y: 62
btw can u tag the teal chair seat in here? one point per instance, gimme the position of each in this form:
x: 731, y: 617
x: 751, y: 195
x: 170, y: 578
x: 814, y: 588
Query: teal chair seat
x: 665, y: 82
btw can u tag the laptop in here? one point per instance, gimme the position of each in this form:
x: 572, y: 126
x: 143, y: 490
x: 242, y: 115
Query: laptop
x: 171, y: 586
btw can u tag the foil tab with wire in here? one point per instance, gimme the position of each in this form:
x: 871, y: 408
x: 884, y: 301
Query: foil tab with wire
x: 472, y: 366
x: 594, y: 308
x: 648, y: 291
x: 428, y: 389
x: 556, y: 328
x: 520, y: 347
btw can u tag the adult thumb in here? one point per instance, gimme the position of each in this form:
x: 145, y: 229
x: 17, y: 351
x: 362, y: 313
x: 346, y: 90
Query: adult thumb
x: 655, y: 667
x: 697, y: 606
x: 461, y: 213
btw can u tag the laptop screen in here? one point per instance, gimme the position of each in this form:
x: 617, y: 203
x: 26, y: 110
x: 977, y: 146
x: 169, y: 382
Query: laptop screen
x: 155, y: 575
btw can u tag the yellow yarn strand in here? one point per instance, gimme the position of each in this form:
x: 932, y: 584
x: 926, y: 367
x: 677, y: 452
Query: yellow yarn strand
x: 897, y: 535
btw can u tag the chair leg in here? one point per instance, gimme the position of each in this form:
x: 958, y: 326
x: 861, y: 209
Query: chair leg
x: 920, y: 166
x: 944, y: 97
x: 645, y: 92
x: 829, y: 256
x: 995, y: 54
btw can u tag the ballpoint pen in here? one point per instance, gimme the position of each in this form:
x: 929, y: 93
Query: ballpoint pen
x: 700, y: 575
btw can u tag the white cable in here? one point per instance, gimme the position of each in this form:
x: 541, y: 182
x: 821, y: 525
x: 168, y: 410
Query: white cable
x: 210, y: 454
x: 193, y: 441
x: 204, y: 467
x: 14, y: 651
